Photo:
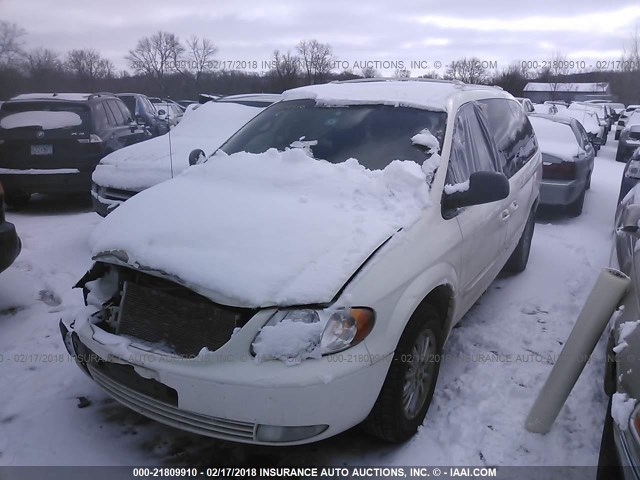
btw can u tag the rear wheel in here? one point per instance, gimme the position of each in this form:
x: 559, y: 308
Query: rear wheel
x: 608, y: 464
x: 617, y: 135
x: 620, y: 155
x: 16, y: 199
x: 408, y: 389
x: 589, y: 181
x: 575, y: 209
x: 520, y: 257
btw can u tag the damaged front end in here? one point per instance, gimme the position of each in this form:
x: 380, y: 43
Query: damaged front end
x: 155, y: 313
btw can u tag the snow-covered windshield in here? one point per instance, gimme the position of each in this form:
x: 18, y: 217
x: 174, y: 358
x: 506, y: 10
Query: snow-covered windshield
x: 374, y: 134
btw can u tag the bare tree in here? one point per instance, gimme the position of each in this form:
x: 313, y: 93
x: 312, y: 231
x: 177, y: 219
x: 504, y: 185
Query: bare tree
x: 88, y: 65
x: 201, y: 52
x: 554, y: 74
x: 368, y: 72
x: 11, y: 43
x: 41, y: 62
x: 630, y: 60
x: 287, y: 68
x: 402, y: 73
x: 316, y: 59
x: 513, y: 78
x: 468, y: 70
x: 156, y: 56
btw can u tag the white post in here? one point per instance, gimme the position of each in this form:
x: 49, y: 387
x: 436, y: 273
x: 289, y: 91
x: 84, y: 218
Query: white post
x: 600, y: 305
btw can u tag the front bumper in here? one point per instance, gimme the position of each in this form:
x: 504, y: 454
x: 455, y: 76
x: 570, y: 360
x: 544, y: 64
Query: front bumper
x: 227, y: 395
x: 34, y: 182
x: 106, y: 199
x: 10, y: 245
x: 560, y: 192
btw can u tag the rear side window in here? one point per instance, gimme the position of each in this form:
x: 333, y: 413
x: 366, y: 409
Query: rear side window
x: 100, y: 115
x: 511, y: 132
x: 472, y: 148
x: 45, y: 115
x: 128, y: 116
x: 115, y: 110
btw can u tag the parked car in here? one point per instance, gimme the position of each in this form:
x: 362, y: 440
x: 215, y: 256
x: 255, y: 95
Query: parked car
x: 51, y: 143
x: 157, y: 101
x: 630, y: 175
x: 261, y: 273
x: 601, y: 116
x: 629, y: 138
x: 545, y: 108
x: 186, y: 103
x: 170, y: 113
x: 591, y: 123
x: 144, y: 112
x: 126, y: 172
x: 567, y: 161
x: 622, y: 119
x: 620, y: 444
x: 526, y: 104
x: 10, y: 245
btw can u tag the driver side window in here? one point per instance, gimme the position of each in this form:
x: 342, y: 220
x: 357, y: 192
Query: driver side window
x: 472, y: 149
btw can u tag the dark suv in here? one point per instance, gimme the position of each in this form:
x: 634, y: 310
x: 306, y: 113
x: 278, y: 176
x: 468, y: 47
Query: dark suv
x: 51, y: 143
x: 145, y: 112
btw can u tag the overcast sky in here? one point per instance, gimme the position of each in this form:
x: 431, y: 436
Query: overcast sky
x: 372, y: 30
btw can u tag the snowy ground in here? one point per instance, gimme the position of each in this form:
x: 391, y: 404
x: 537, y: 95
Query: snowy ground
x: 478, y: 410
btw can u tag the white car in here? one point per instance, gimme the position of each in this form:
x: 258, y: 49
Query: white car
x: 526, y: 104
x: 304, y: 279
x: 127, y: 171
x: 622, y: 119
x: 590, y: 121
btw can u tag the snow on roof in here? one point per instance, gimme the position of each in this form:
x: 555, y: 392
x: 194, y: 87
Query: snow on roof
x: 426, y: 95
x: 76, y: 97
x: 601, y: 87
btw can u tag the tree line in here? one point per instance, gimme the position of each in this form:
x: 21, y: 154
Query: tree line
x: 163, y: 65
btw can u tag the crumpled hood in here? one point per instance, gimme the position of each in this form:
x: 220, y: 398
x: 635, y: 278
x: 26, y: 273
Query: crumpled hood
x: 277, y: 228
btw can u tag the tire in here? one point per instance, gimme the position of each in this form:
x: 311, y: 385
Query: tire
x: 394, y: 417
x: 589, y: 181
x: 575, y: 209
x: 608, y: 464
x: 520, y: 257
x: 617, y: 135
x: 16, y: 199
x: 620, y: 155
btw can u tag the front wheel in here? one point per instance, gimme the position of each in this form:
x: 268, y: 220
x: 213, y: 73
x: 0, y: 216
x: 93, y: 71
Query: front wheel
x: 575, y: 209
x: 520, y: 257
x: 411, y: 380
x: 617, y: 135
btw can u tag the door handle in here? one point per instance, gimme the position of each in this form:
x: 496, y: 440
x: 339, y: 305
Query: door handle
x: 505, y: 215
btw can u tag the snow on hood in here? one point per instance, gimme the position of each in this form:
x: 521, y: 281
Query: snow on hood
x: 148, y: 163
x: 277, y: 228
x: 45, y: 119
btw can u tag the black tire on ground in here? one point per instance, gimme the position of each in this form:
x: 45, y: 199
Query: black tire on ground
x: 575, y: 209
x: 617, y: 135
x: 391, y: 419
x: 621, y: 155
x: 589, y: 181
x: 608, y: 464
x: 519, y: 258
x: 16, y: 199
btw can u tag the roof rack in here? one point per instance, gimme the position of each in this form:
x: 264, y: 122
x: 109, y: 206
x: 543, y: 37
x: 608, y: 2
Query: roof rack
x: 429, y: 80
x: 100, y: 94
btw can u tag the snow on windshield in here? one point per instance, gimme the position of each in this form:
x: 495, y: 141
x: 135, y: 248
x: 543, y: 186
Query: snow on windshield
x: 47, y: 120
x: 276, y: 228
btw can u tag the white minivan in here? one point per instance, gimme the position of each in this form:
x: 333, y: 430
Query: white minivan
x: 304, y: 278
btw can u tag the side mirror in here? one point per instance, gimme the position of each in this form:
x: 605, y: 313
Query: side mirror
x: 630, y: 218
x: 133, y: 126
x: 195, y: 156
x: 162, y: 112
x: 596, y: 141
x: 484, y: 187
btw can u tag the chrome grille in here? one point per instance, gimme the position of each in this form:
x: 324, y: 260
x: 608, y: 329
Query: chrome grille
x: 170, y: 415
x: 172, y: 323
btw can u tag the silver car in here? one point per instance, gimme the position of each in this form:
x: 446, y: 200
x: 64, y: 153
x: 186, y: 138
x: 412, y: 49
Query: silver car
x: 567, y: 161
x: 620, y: 445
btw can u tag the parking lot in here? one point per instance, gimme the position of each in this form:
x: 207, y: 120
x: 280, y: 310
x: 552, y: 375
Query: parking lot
x: 496, y: 360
